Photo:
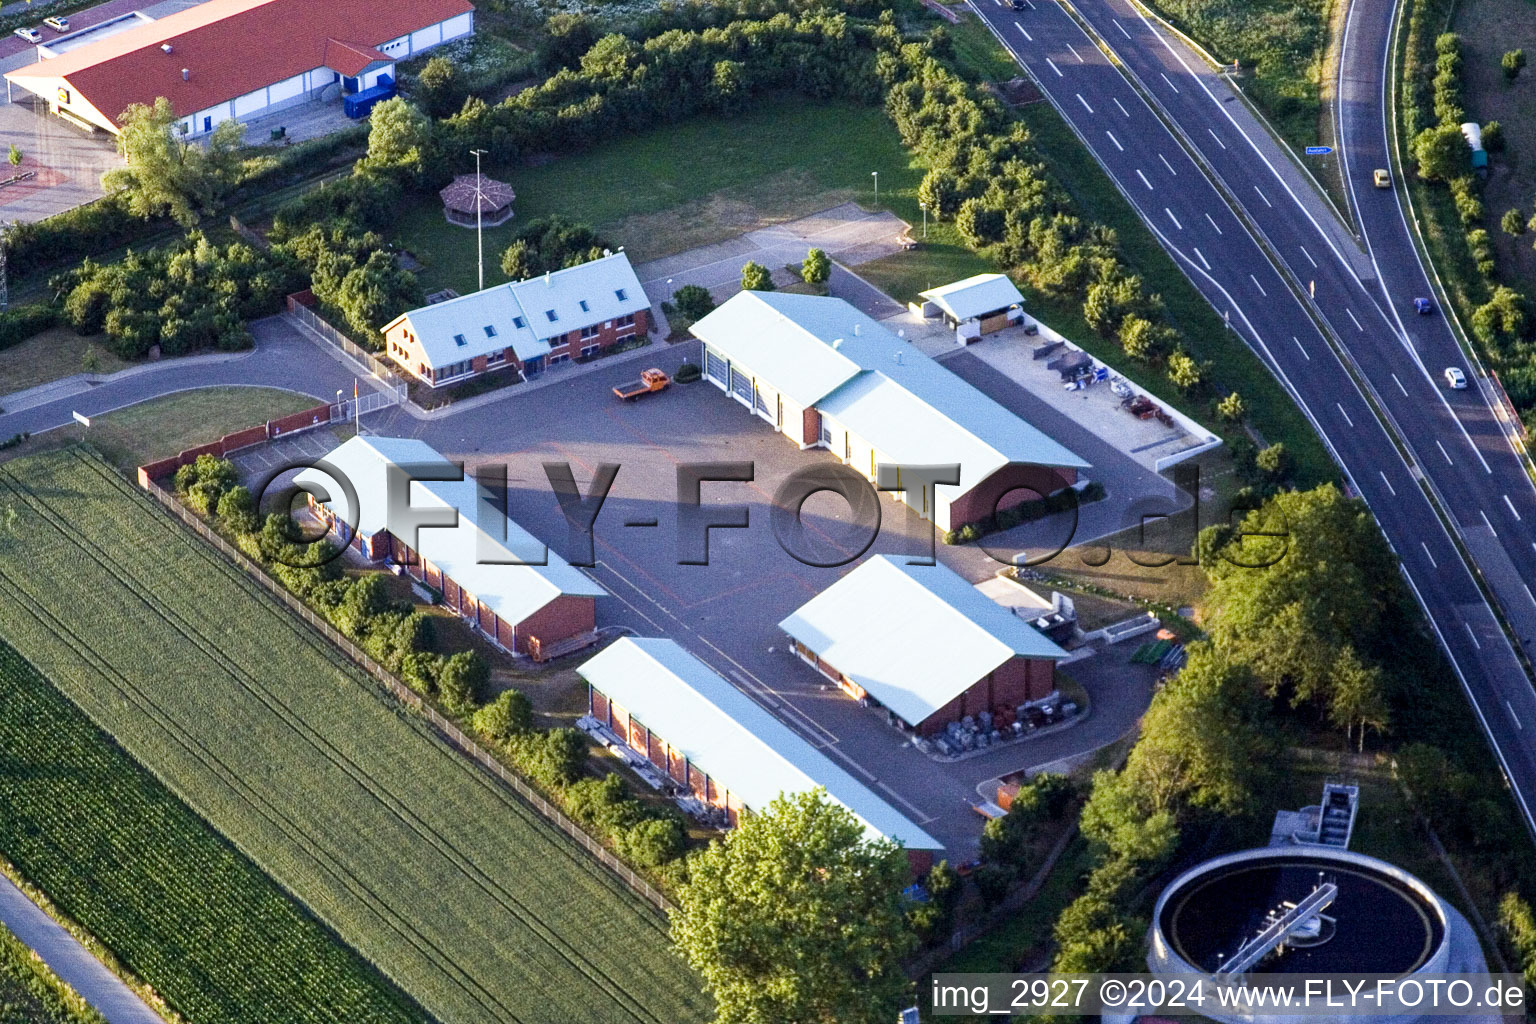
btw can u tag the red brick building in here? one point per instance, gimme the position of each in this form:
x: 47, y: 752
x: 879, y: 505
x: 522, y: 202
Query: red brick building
x: 924, y: 644
x: 575, y: 313
x: 524, y: 608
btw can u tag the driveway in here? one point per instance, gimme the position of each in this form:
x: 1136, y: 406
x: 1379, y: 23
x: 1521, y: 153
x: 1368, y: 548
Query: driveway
x: 727, y: 611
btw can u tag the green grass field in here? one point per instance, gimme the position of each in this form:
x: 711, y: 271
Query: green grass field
x: 679, y: 185
x: 30, y: 993
x: 467, y: 899
x: 117, y: 852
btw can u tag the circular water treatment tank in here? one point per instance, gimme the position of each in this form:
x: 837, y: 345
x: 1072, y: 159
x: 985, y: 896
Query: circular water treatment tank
x: 1382, y: 920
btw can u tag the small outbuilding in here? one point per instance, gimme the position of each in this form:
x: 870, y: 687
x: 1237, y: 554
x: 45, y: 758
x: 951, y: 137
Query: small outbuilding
x: 715, y: 741
x: 977, y: 305
x: 924, y: 644
x: 469, y: 195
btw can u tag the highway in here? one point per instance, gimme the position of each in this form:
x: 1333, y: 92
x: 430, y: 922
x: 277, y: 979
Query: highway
x: 1218, y: 194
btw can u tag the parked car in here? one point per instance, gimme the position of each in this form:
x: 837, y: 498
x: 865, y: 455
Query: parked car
x: 1382, y: 177
x: 1423, y: 306
x: 58, y: 23
x: 1455, y: 379
x: 31, y: 35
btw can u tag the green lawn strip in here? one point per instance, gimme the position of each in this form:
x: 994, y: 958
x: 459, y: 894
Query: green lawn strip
x: 676, y: 186
x: 117, y: 852
x: 57, y: 352
x: 470, y: 901
x: 30, y: 993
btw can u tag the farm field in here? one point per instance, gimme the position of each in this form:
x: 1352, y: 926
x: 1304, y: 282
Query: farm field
x: 186, y: 913
x: 469, y: 901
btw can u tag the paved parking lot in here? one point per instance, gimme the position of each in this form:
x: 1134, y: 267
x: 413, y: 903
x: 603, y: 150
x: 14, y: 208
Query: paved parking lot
x: 727, y: 611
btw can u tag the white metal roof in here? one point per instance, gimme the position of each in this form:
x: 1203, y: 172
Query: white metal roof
x: 730, y: 736
x: 503, y: 307
x: 823, y: 352
x: 478, y: 560
x: 914, y: 636
x: 975, y: 296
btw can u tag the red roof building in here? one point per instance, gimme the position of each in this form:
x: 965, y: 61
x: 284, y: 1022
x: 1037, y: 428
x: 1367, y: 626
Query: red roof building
x: 239, y: 58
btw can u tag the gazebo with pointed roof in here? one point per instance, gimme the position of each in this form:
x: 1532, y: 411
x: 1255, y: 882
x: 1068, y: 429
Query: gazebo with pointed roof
x: 468, y: 194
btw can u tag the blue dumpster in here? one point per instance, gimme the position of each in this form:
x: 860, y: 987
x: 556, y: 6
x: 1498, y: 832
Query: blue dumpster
x: 359, y: 104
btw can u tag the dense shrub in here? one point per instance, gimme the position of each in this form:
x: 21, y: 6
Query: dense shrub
x: 19, y: 323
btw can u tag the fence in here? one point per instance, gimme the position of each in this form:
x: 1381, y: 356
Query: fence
x: 298, y: 309
x: 309, y: 419
x: 371, y: 401
x: 411, y: 699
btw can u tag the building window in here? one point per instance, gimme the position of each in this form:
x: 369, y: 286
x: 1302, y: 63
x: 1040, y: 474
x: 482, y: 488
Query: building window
x: 458, y: 339
x: 590, y: 350
x: 519, y: 322
x: 584, y: 307
x: 490, y: 332
x: 627, y: 320
x: 551, y: 314
x: 496, y: 358
x: 588, y: 332
x: 620, y: 293
x: 563, y: 357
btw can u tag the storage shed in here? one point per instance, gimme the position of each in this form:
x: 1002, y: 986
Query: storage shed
x: 986, y: 302
x: 708, y: 736
x: 924, y: 644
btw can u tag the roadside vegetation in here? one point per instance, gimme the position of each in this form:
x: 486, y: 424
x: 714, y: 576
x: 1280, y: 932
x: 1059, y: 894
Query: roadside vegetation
x: 471, y: 902
x: 30, y: 993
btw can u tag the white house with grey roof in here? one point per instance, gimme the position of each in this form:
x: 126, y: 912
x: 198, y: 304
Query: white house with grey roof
x: 575, y: 313
x: 828, y: 376
x: 716, y: 742
x: 488, y: 569
x: 924, y: 644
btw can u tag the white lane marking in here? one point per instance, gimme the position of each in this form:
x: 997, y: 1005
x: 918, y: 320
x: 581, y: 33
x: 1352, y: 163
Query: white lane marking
x: 1512, y: 508
x: 1487, y: 523
x: 1399, y: 385
x: 1115, y: 141
x: 1339, y: 407
x: 1468, y: 627
x: 1213, y: 223
x: 1055, y: 68
x: 1127, y: 113
x: 1264, y: 197
x: 1528, y: 593
x: 1387, y: 482
x: 1168, y: 165
x: 1026, y: 35
x: 1144, y: 180
x: 1076, y: 54
x: 1202, y: 258
x: 1445, y: 453
x: 1258, y: 286
x: 1223, y: 145
x: 1428, y: 555
x: 1514, y: 717
x: 1084, y: 103
x: 1308, y: 256
x: 1298, y: 345
x: 1173, y: 218
x: 1120, y: 27
x: 1352, y: 317
x: 1170, y: 82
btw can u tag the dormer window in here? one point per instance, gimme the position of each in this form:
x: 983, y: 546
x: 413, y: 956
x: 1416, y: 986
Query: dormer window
x: 551, y: 314
x: 458, y: 339
x: 584, y: 307
x: 620, y: 293
x: 490, y: 332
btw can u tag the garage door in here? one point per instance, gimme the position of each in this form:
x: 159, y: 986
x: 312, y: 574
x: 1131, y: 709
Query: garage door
x: 716, y: 366
x: 761, y: 402
x: 741, y: 383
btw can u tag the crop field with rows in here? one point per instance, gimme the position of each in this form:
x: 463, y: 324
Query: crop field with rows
x: 463, y: 896
x: 114, y: 849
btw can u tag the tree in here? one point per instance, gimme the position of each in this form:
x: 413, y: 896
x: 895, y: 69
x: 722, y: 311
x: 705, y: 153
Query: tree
x: 399, y: 142
x: 730, y: 86
x: 165, y: 172
x: 653, y: 841
x: 1231, y: 408
x: 1144, y: 340
x: 1359, y: 696
x: 1274, y: 460
x: 510, y: 714
x: 1493, y: 136
x: 439, y: 88
x: 549, y: 244
x: 1518, y: 924
x: 1501, y: 319
x: 1442, y: 153
x: 15, y: 155
x: 461, y: 680
x: 755, y: 277
x: 1513, y: 222
x: 795, y: 917
x: 693, y: 302
x: 566, y: 38
x: 1184, y: 372
x: 816, y: 268
x: 1512, y: 62
x: 554, y: 758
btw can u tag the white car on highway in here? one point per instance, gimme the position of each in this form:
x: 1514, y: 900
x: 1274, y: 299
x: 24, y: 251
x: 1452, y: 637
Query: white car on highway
x: 1455, y: 378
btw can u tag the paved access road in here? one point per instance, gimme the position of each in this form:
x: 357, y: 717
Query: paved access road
x: 1465, y: 457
